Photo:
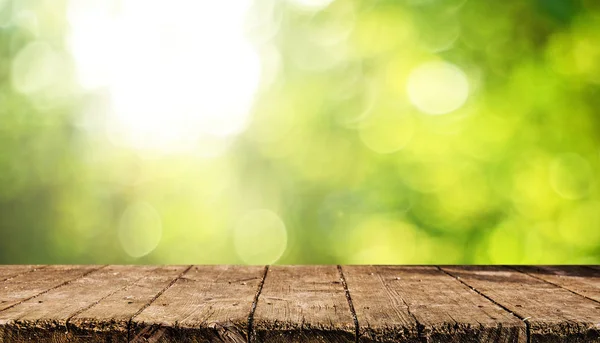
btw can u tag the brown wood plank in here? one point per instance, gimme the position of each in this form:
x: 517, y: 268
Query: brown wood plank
x: 109, y: 319
x: 552, y: 313
x: 28, y: 285
x: 412, y: 304
x: 303, y: 304
x: 578, y: 279
x: 45, y: 318
x: 381, y: 312
x: 8, y: 272
x: 206, y: 304
x: 299, y: 303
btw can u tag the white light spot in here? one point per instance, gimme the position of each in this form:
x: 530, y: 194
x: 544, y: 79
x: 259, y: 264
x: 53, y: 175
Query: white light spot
x: 260, y: 237
x: 175, y: 71
x: 35, y: 68
x: 140, y: 229
x: 437, y: 87
x: 313, y: 5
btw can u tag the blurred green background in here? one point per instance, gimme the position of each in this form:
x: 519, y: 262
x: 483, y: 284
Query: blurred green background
x: 299, y: 131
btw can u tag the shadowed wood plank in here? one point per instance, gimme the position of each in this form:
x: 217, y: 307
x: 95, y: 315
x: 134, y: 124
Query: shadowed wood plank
x: 553, y: 313
x: 46, y: 317
x: 303, y: 304
x: 27, y: 285
x: 397, y: 303
x: 11, y: 271
x: 208, y: 303
x: 581, y: 280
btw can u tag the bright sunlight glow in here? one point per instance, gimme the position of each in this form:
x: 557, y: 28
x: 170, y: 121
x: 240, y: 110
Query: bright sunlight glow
x: 175, y: 72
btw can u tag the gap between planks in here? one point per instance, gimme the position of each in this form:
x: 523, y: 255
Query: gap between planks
x: 154, y: 299
x: 85, y: 308
x: 146, y: 305
x: 552, y: 283
x: 350, y: 304
x: 51, y: 288
x: 32, y: 269
x: 528, y: 329
x: 250, y: 336
x: 250, y: 333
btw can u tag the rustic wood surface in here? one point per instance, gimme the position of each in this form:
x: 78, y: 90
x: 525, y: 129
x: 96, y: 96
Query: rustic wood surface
x: 552, y: 313
x: 303, y: 304
x: 422, y: 303
x: 10, y: 272
x: 205, y: 304
x: 299, y: 304
x: 581, y: 280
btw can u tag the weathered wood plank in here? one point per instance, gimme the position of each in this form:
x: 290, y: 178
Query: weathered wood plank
x: 11, y: 271
x: 45, y: 318
x: 303, y: 304
x: 299, y: 303
x: 108, y: 321
x: 381, y: 312
x: 577, y: 279
x: 412, y: 304
x: 552, y: 313
x: 28, y: 285
x: 206, y: 304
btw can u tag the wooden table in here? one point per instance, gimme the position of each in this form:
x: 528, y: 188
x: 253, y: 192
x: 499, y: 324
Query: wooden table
x: 299, y: 303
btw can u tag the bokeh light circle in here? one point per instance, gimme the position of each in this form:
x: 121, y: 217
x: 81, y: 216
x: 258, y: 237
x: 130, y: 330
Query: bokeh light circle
x: 387, y: 133
x: 437, y: 87
x: 140, y: 229
x: 260, y: 237
x: 35, y: 68
x: 570, y: 176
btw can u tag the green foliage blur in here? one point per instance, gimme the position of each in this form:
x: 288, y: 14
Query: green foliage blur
x: 382, y: 131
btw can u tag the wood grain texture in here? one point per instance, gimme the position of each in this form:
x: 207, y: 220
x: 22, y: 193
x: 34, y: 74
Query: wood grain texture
x: 206, y: 304
x: 578, y: 279
x: 415, y: 304
x: 11, y: 271
x: 552, y: 313
x: 303, y: 304
x: 381, y: 312
x: 30, y: 284
x: 299, y: 304
x: 109, y: 319
x: 46, y: 318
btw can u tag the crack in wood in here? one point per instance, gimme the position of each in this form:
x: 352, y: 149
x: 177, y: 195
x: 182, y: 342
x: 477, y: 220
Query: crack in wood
x: 350, y: 304
x: 552, y: 283
x: 81, y: 310
x: 54, y: 287
x: 250, y: 334
x: 32, y: 269
x: 302, y: 303
x: 420, y: 327
x: 528, y: 333
x: 154, y: 299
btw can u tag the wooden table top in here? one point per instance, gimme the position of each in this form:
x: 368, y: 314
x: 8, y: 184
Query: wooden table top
x: 222, y: 303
